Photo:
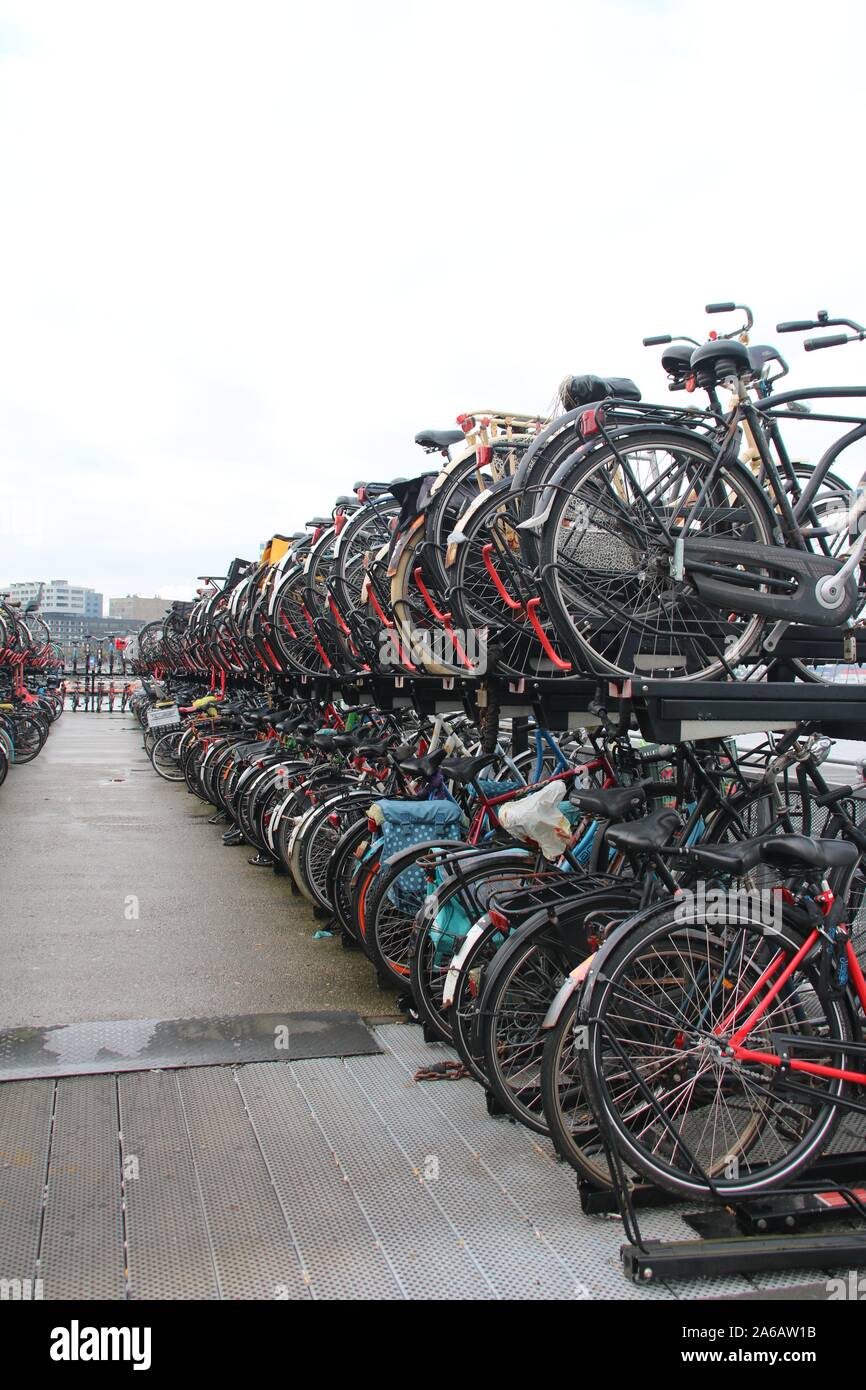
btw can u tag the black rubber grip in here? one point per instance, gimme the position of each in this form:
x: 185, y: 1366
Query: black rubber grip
x: 658, y: 341
x: 835, y: 340
x: 720, y: 308
x: 795, y: 326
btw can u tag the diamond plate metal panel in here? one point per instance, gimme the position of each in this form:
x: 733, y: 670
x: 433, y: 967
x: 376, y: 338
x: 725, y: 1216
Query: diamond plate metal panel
x: 169, y: 1252
x: 306, y: 1180
x: 406, y: 1041
x: 253, y: 1249
x: 25, y: 1132
x: 597, y: 1234
x: 591, y: 1243
x: 510, y: 1250
x: 850, y: 1135
x: 421, y: 1244
x: 82, y: 1254
x: 523, y: 1163
x: 337, y: 1243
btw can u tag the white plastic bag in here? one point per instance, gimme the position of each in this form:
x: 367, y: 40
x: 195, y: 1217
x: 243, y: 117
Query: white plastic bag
x: 537, y: 817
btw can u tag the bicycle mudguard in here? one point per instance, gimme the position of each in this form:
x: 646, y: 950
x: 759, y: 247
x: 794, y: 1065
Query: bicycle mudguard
x: 584, y: 451
x: 491, y: 858
x: 556, y: 426
x: 476, y: 931
x: 639, y: 919
x: 645, y: 915
x: 400, y: 544
x: 560, y: 999
x: 487, y: 854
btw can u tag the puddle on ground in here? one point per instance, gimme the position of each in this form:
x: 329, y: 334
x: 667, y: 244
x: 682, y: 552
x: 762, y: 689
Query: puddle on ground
x: 148, y: 1044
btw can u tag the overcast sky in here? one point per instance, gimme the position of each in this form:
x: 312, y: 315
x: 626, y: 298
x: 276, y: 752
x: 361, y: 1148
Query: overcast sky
x: 248, y: 249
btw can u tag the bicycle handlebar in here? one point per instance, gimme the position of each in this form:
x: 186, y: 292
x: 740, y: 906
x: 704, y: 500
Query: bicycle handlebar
x: 823, y: 320
x: 729, y: 307
x: 835, y: 340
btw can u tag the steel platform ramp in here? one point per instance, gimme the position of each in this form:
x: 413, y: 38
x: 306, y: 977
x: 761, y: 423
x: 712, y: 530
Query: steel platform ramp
x: 145, y: 1044
x: 327, y: 1178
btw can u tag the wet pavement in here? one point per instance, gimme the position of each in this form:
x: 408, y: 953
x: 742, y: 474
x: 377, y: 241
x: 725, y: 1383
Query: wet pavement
x: 119, y: 901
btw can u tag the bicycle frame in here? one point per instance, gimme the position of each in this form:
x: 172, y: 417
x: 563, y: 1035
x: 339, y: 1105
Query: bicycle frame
x: 769, y: 410
x: 744, y: 1054
x: 486, y: 815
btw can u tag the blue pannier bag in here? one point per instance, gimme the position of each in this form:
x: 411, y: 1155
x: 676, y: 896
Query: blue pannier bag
x: 408, y: 823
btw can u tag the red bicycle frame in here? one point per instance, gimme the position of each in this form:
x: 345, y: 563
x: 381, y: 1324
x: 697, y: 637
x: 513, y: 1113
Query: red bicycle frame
x: 779, y: 978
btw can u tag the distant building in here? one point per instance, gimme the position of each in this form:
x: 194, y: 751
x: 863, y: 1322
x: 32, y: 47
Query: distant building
x: 65, y: 629
x: 76, y: 636
x: 57, y: 597
x: 134, y: 606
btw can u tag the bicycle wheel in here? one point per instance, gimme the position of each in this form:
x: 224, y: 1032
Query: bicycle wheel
x: 521, y: 983
x: 28, y: 737
x: 471, y: 962
x: 657, y: 1016
x: 568, y: 1113
x: 390, y: 906
x: 489, y: 555
x: 612, y: 582
x: 420, y: 632
x: 164, y: 756
x: 317, y: 840
x: 444, y: 924
x: 343, y: 869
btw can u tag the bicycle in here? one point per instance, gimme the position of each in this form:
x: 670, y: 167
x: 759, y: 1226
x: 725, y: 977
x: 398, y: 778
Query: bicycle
x: 720, y: 1048
x: 662, y: 552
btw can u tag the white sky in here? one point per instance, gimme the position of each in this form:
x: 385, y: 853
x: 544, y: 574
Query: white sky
x: 248, y: 249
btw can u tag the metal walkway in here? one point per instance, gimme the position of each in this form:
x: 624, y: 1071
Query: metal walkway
x: 332, y: 1178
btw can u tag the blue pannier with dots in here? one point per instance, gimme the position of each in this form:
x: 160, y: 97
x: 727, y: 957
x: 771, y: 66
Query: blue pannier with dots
x: 408, y: 823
